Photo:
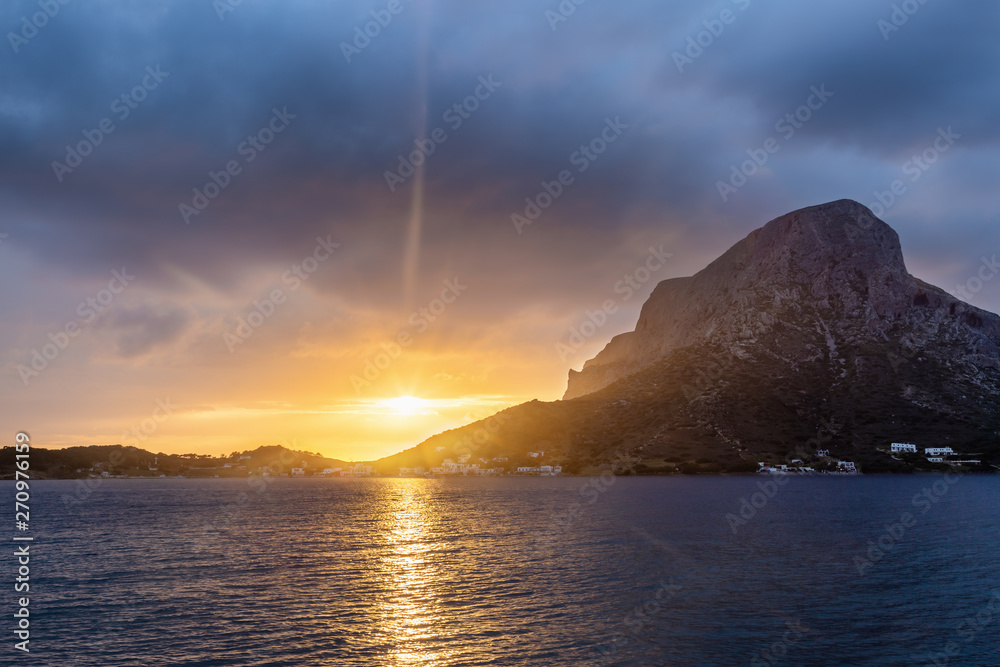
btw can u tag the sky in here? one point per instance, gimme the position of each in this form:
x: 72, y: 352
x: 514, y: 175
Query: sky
x: 228, y: 224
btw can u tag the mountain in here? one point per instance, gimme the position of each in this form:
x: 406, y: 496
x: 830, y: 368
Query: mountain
x: 809, y: 334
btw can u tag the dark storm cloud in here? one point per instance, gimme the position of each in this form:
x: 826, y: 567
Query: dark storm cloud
x: 939, y: 67
x: 141, y: 329
x: 325, y: 172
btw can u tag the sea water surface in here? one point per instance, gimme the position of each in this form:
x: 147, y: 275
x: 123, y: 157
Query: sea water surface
x: 513, y: 571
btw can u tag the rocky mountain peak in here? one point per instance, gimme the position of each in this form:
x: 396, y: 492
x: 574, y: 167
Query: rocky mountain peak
x: 813, y: 241
x: 835, y: 266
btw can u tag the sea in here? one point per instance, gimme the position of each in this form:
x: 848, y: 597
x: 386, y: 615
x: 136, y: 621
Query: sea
x: 603, y: 570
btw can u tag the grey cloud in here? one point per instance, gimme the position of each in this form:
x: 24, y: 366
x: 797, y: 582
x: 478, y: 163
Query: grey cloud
x: 139, y: 330
x: 324, y: 174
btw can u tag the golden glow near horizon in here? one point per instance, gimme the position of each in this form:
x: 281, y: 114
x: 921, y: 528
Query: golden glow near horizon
x: 350, y: 429
x: 294, y: 381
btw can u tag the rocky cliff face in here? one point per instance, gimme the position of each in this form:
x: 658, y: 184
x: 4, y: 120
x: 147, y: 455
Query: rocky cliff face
x: 834, y: 269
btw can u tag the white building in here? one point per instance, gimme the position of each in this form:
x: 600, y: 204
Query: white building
x: 822, y: 452
x: 544, y: 471
x: 358, y: 470
x: 903, y: 447
x: 847, y: 466
x: 298, y: 472
x: 449, y: 467
x: 938, y: 451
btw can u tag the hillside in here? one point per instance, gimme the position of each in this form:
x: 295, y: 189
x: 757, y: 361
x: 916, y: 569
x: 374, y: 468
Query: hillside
x: 809, y: 334
x: 73, y: 462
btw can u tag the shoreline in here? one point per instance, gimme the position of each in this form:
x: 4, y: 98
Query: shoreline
x: 10, y: 478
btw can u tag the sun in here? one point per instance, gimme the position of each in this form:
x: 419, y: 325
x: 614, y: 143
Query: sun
x: 404, y: 405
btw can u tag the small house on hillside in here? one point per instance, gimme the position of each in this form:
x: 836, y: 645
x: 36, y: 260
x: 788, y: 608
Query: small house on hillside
x: 939, y: 451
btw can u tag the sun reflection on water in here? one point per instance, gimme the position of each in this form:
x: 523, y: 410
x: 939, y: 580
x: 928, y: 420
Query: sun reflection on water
x: 410, y: 615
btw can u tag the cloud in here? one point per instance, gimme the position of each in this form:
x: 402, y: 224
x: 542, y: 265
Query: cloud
x: 139, y: 330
